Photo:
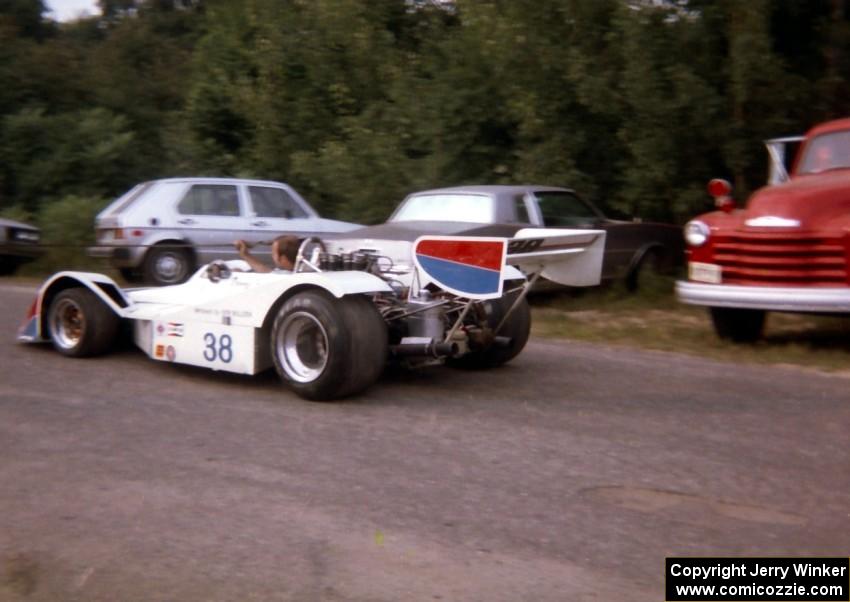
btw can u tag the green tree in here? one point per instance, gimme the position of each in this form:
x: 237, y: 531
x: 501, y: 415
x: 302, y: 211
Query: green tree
x: 26, y: 17
x: 669, y: 109
x: 49, y: 156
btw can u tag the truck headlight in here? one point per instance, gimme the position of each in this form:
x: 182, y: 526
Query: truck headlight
x: 696, y: 233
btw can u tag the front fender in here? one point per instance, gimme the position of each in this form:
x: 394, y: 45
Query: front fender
x: 33, y: 329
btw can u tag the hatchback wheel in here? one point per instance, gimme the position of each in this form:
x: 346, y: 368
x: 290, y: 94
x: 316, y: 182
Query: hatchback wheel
x: 167, y: 265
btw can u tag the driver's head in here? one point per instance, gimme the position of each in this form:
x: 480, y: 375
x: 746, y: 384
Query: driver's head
x: 284, y: 251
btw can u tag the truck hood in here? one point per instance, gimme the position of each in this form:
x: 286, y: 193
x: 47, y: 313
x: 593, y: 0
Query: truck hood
x: 815, y: 201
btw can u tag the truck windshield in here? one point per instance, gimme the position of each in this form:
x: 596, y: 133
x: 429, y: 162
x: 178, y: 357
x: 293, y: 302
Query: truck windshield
x: 474, y: 208
x: 825, y: 152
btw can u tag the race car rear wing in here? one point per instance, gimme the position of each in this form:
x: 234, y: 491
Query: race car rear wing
x: 477, y: 267
x: 568, y: 257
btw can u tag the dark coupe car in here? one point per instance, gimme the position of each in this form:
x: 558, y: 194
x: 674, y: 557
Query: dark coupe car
x: 631, y: 247
x: 19, y: 243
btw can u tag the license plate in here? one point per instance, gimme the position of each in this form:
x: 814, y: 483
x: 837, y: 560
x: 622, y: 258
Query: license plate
x: 705, y: 272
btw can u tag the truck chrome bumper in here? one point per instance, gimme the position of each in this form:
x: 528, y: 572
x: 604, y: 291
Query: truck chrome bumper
x: 792, y: 299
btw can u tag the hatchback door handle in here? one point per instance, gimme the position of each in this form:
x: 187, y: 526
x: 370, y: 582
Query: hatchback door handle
x: 186, y: 221
x: 260, y: 223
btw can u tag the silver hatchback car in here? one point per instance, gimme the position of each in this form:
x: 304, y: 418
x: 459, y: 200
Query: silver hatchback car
x: 161, y: 231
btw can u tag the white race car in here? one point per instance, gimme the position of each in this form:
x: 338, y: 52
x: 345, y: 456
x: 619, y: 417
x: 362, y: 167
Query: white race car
x: 330, y: 326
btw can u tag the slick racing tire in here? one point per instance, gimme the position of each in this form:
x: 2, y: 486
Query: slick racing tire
x: 80, y: 324
x: 326, y: 348
x: 517, y: 329
x: 738, y: 325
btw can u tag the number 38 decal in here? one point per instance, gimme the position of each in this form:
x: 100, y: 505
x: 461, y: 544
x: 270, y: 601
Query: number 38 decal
x: 220, y: 348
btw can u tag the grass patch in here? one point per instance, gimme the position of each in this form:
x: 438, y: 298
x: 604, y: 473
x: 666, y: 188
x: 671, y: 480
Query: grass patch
x: 653, y: 319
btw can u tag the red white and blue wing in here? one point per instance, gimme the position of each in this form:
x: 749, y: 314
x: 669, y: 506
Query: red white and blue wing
x: 468, y: 267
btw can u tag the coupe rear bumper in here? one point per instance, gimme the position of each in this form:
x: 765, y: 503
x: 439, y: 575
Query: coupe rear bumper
x: 791, y: 299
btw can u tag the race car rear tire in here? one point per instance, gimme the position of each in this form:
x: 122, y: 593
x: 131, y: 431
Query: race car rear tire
x: 326, y: 348
x: 517, y: 329
x: 80, y: 324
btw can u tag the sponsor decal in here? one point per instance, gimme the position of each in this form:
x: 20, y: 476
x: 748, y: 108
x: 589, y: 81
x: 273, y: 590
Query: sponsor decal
x: 175, y: 329
x: 170, y: 353
x: 524, y: 245
x: 159, y: 351
x: 160, y: 329
x: 235, y: 313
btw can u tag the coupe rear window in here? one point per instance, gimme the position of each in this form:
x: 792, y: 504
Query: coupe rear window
x: 474, y: 208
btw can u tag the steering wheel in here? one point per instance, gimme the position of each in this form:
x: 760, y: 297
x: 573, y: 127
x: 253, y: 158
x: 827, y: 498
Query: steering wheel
x: 307, y: 258
x: 218, y: 270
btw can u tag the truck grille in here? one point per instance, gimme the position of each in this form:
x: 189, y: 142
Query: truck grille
x: 775, y: 259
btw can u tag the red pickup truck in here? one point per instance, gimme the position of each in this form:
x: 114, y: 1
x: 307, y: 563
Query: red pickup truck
x: 788, y: 250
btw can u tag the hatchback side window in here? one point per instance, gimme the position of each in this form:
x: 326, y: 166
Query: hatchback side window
x: 210, y: 199
x: 274, y: 202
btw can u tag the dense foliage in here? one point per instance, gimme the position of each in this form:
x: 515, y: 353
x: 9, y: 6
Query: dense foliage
x: 635, y: 103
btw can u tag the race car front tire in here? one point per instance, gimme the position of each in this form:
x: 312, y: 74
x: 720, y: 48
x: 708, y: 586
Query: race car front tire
x: 326, y: 348
x: 80, y: 324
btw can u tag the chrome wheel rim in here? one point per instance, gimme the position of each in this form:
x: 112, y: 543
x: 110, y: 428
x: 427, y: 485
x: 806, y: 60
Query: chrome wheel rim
x: 67, y: 323
x: 302, y: 347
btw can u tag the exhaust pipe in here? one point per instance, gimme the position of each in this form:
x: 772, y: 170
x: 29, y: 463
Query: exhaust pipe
x: 430, y: 349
